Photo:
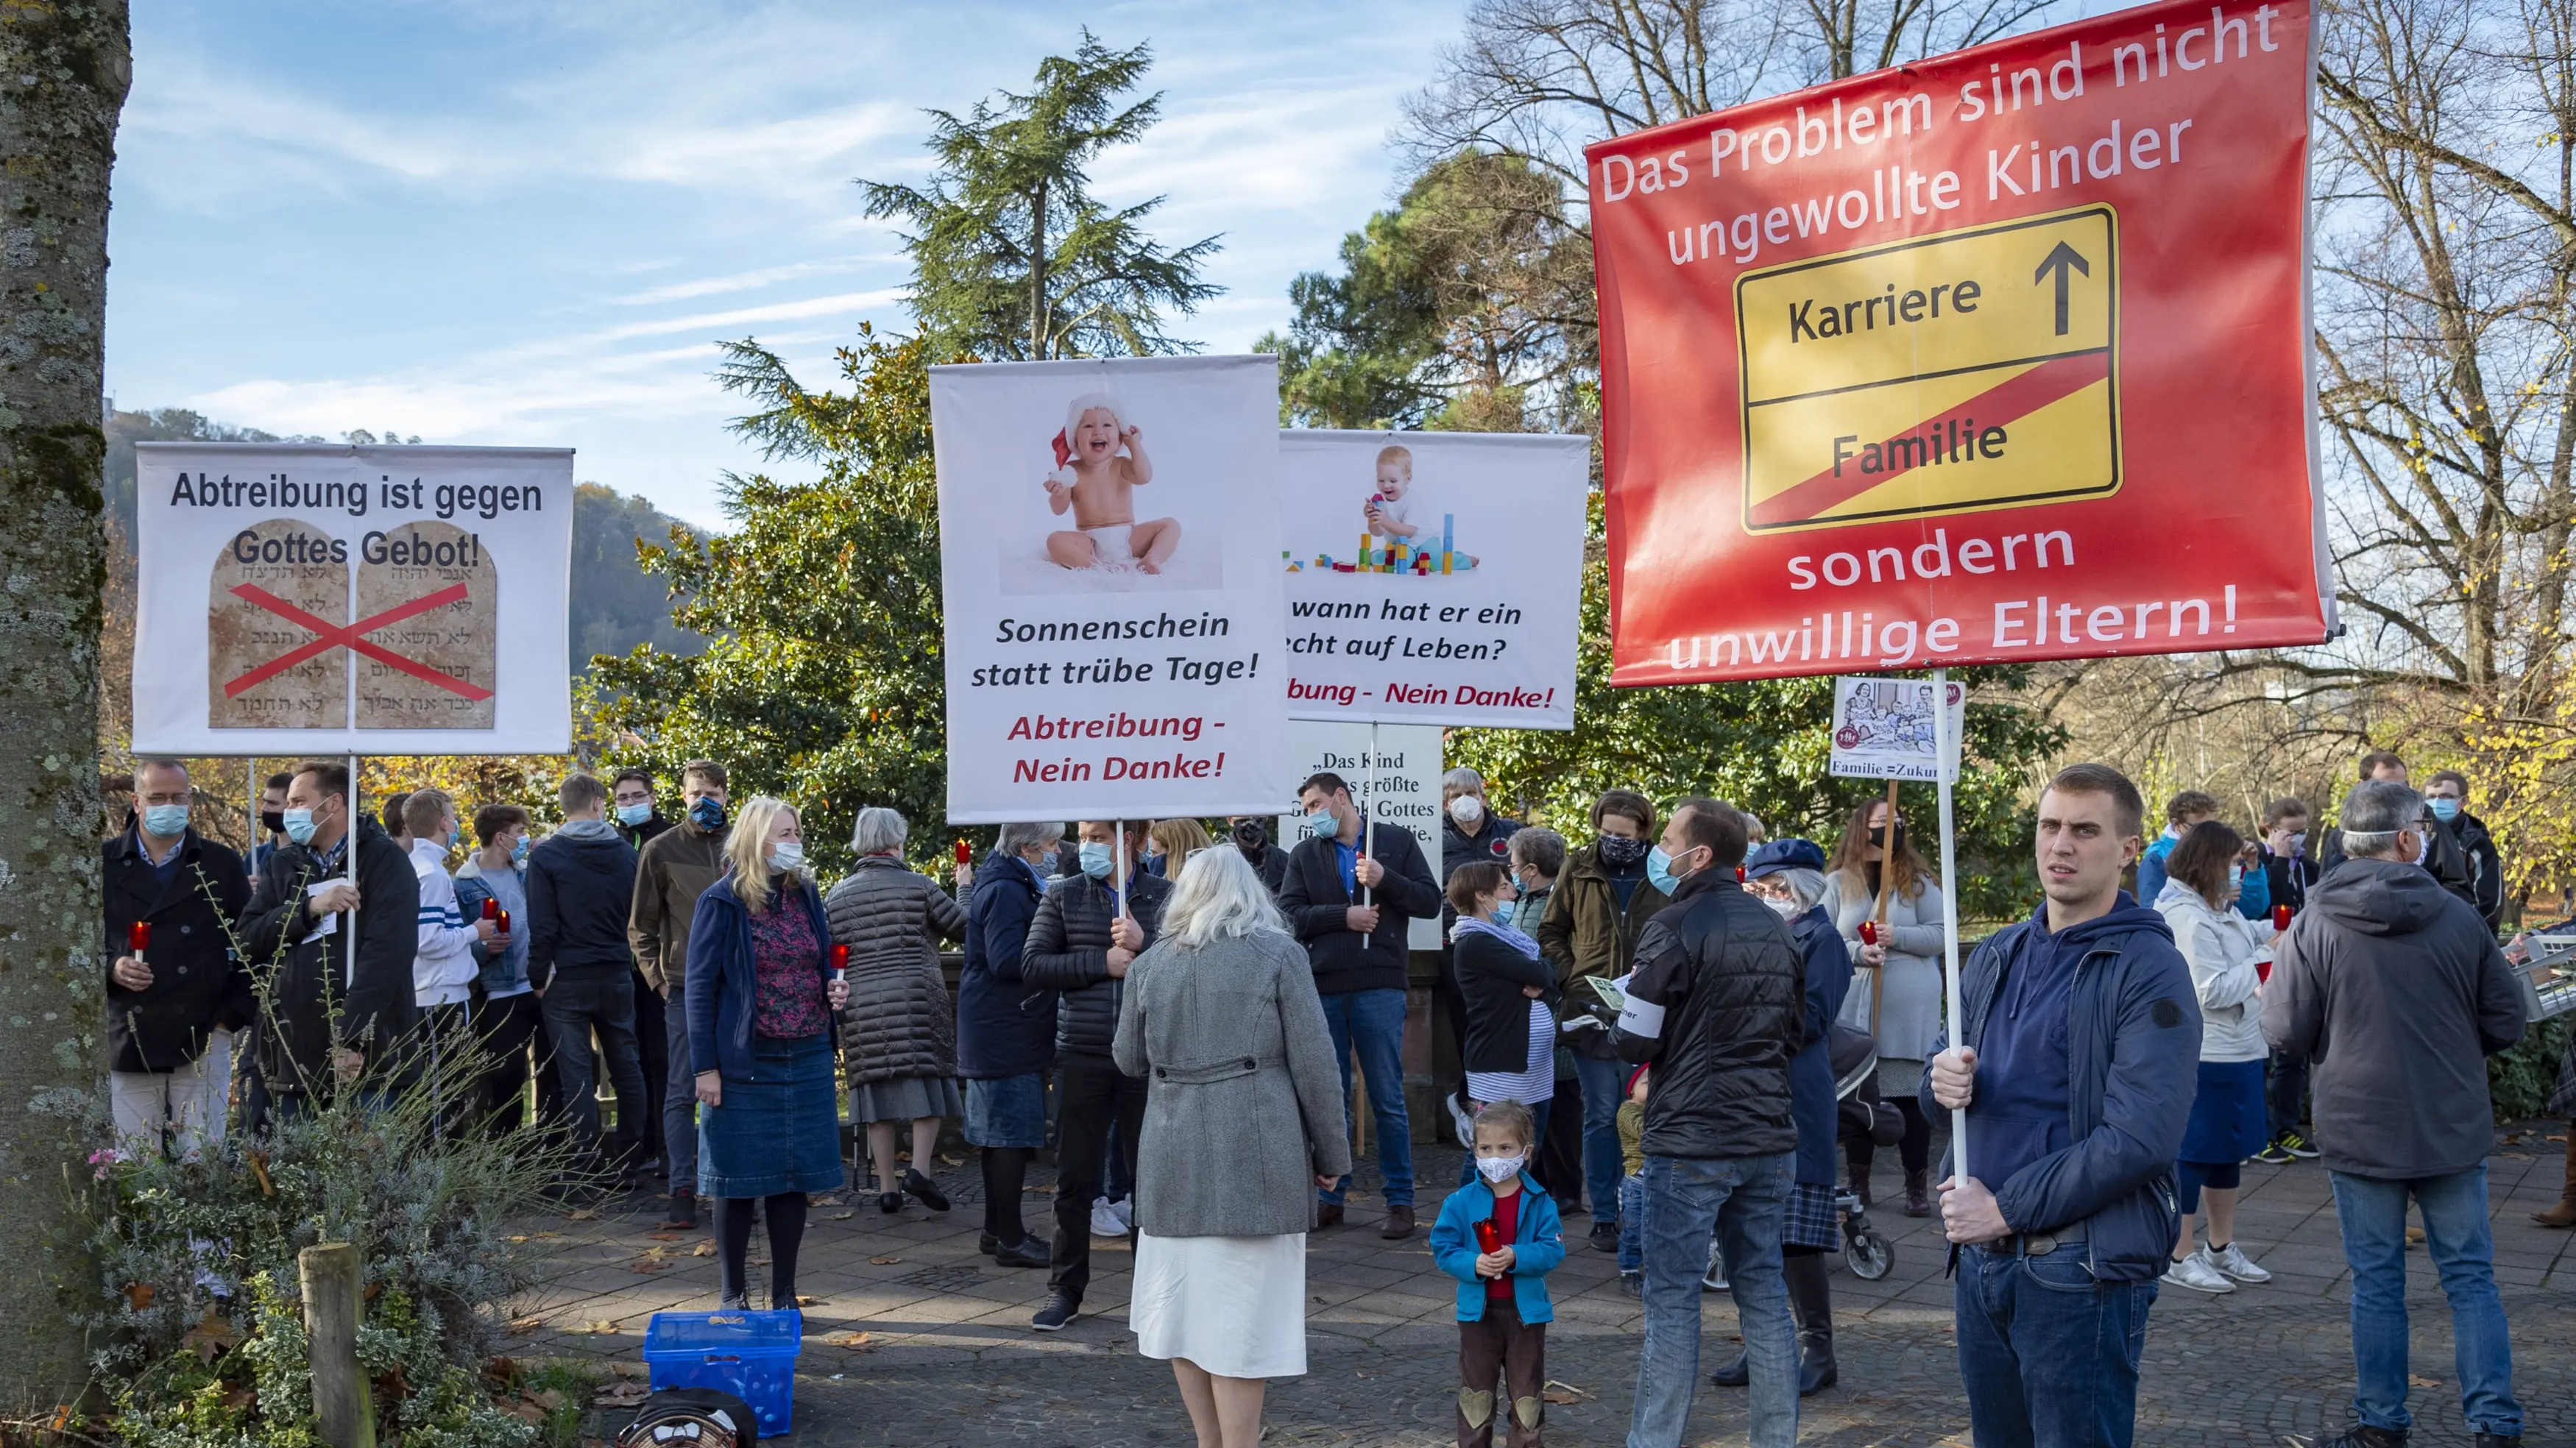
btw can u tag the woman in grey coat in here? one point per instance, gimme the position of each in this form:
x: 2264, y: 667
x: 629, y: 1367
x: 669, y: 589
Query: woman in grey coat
x: 1896, y: 990
x: 899, y: 1035
x: 1243, y: 1120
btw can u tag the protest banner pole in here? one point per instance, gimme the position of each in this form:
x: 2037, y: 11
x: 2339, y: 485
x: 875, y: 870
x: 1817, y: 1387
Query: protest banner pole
x: 349, y: 838
x: 1118, y: 829
x: 1368, y: 822
x: 1945, y: 771
x: 1886, y: 878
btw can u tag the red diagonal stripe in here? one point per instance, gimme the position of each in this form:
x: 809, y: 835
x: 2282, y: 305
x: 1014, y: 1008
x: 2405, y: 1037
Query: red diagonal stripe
x: 2007, y: 401
x: 328, y: 636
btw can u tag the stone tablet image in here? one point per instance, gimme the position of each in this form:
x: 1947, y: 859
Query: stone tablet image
x: 277, y: 612
x: 427, y: 656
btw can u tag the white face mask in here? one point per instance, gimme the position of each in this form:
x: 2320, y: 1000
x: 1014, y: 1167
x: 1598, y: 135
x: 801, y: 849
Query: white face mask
x: 1785, y: 909
x: 787, y: 857
x: 1466, y: 809
x: 1500, y: 1169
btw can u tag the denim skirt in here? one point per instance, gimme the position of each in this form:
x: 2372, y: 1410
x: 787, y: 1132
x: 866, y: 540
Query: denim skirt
x: 781, y: 1133
x: 1007, y: 1111
x: 2227, y: 1123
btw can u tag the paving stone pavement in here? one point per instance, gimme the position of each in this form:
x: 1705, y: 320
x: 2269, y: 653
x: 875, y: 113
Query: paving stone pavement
x: 949, y: 1360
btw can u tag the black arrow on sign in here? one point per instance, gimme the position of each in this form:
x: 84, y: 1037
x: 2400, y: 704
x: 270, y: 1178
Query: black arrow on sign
x: 2060, y: 261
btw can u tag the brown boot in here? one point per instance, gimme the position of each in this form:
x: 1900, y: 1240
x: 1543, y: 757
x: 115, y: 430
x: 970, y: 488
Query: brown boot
x: 1918, y: 1193
x: 1399, y: 1224
x: 1860, y: 1182
x: 2563, y: 1214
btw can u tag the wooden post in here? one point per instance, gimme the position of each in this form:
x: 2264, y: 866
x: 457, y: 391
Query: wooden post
x: 334, y: 1305
x: 1886, y: 879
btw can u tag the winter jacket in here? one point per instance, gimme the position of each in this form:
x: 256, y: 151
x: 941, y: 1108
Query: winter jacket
x: 2288, y: 878
x: 722, y: 985
x: 2397, y: 992
x: 2133, y: 1067
x: 198, y: 982
x: 2486, y: 866
x: 2253, y: 896
x: 1244, y: 1102
x: 1005, y: 1026
x: 1538, y: 1247
x: 1068, y: 952
x: 1811, y: 1075
x: 1907, y: 1005
x: 1732, y: 985
x: 1271, y: 864
x: 672, y: 872
x: 638, y: 836
x: 1586, y: 933
x: 900, y: 1023
x: 581, y: 893
x: 444, y: 971
x: 2221, y: 948
x: 308, y: 976
x: 1457, y: 847
x: 1314, y: 900
x: 1490, y: 977
x: 2443, y: 856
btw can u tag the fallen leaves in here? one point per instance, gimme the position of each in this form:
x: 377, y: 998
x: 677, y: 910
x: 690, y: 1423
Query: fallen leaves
x: 668, y: 1236
x: 139, y: 1295
x: 211, y: 1336
x: 883, y: 1261
x: 1562, y: 1393
x: 828, y: 1199
x: 853, y: 1341
x: 647, y: 1264
x: 259, y: 1170
x: 604, y: 1327
x: 803, y: 1301
x: 840, y: 1216
x: 703, y: 1249
x: 522, y: 1326
x: 582, y: 1214
x: 946, y: 1160
x: 620, y: 1393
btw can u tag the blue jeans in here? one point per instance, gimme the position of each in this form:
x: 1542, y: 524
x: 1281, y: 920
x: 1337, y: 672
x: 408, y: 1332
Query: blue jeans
x: 1372, y: 1021
x: 1605, y: 1085
x: 2372, y: 1213
x: 1741, y: 1200
x: 1632, y: 1223
x: 2049, y: 1356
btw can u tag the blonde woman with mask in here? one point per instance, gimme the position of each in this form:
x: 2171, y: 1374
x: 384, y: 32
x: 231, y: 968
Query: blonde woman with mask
x: 761, y: 998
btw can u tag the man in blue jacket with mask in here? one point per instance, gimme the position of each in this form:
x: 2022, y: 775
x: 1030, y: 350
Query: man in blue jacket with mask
x: 2081, y: 1058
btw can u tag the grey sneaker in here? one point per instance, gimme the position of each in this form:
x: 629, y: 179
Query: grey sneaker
x: 2234, y: 1263
x: 1057, y: 1315
x: 2195, y: 1273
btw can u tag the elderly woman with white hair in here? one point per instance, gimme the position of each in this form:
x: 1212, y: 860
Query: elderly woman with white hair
x: 899, y: 1037
x: 1243, y: 1121
x: 1789, y: 876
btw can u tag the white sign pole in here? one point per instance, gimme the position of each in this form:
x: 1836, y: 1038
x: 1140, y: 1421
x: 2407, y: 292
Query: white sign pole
x: 1946, y: 749
x: 1119, y: 854
x: 1368, y: 822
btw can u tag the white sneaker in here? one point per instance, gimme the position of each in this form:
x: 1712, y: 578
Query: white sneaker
x: 1104, y: 1219
x: 1459, y: 1118
x: 1125, y: 1207
x: 2234, y: 1263
x: 2194, y: 1272
x: 1715, y: 1281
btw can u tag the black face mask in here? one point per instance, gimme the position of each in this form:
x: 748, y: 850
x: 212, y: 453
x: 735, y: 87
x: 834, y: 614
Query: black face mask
x: 273, y: 821
x: 1896, y: 840
x: 1620, y: 852
x: 1250, y: 836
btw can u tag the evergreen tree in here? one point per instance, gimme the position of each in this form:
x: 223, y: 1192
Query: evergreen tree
x: 1012, y: 258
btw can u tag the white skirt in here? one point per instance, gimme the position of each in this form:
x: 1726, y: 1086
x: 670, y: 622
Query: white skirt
x: 1236, y: 1306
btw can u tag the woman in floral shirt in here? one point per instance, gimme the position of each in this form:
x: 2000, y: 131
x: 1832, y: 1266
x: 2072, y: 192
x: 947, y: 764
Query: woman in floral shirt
x: 761, y: 999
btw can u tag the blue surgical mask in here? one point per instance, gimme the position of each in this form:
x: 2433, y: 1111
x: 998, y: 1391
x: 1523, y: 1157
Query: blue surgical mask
x: 519, y: 850
x: 165, y: 821
x: 2445, y: 810
x: 299, y: 826
x: 787, y: 857
x: 1321, y: 825
x: 1046, y: 864
x: 707, y: 814
x: 1659, y: 871
x: 631, y: 815
x: 1097, y: 859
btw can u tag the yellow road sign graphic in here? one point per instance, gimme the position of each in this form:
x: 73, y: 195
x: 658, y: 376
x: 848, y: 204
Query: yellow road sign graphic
x: 1970, y: 369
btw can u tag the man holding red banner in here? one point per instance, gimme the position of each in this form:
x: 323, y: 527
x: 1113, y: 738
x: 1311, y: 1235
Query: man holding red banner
x: 2081, y: 1058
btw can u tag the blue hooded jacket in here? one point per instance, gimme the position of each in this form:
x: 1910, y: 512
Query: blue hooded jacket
x: 1811, y: 1072
x: 1538, y: 1246
x: 2133, y: 1067
x: 1005, y: 1026
x: 721, y: 985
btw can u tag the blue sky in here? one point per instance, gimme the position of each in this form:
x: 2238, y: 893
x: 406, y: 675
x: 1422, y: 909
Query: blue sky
x: 527, y: 222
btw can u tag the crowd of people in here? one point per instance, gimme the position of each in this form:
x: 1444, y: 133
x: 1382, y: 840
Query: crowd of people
x: 1644, y: 1025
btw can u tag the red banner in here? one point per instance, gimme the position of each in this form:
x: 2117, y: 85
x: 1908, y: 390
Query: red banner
x: 1996, y: 357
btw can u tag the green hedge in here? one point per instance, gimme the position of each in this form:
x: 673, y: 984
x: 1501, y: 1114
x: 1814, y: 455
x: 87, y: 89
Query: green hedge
x: 2520, y: 1079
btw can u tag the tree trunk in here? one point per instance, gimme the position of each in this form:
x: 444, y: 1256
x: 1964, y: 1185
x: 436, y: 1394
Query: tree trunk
x: 65, y: 67
x: 1038, y: 277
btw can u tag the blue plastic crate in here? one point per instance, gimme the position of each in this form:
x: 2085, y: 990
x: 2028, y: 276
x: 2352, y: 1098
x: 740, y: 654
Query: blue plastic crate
x: 751, y: 1355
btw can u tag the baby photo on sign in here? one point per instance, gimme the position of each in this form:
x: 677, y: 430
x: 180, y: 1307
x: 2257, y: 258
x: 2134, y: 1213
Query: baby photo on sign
x: 1100, y: 522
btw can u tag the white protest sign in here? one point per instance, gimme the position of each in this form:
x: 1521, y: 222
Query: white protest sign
x: 1108, y: 536
x: 1883, y: 729
x: 1402, y: 792
x: 1433, y: 577
x: 303, y: 600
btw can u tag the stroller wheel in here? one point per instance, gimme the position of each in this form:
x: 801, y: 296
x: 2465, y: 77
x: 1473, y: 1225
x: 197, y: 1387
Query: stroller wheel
x: 1868, y: 1254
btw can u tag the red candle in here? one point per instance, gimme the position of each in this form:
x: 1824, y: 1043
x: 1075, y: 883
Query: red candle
x: 491, y: 908
x: 501, y: 921
x: 840, y: 960
x: 2280, y: 917
x: 138, y: 936
x: 965, y: 852
x: 1869, y: 932
x: 1488, y: 1236
x: 2263, y: 969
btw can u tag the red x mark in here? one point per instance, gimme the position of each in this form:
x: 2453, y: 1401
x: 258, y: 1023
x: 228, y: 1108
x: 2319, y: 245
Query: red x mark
x: 328, y: 636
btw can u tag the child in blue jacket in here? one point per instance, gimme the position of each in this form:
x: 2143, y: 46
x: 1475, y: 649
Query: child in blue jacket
x: 1503, y: 1309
